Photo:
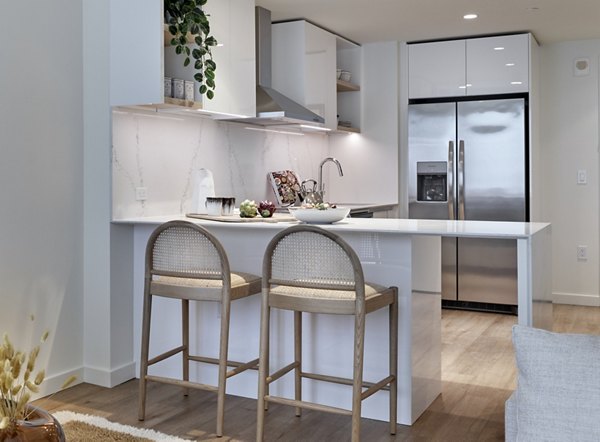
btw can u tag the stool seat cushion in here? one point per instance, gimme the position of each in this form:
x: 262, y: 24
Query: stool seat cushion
x: 242, y: 284
x: 305, y: 292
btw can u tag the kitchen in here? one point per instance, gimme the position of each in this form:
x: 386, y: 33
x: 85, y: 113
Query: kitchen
x: 53, y: 178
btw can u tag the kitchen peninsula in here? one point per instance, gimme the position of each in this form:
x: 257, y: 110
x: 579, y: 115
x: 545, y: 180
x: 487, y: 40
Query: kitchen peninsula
x: 400, y: 252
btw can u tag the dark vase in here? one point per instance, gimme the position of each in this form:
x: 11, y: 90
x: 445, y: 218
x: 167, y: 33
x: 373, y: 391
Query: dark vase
x: 40, y: 426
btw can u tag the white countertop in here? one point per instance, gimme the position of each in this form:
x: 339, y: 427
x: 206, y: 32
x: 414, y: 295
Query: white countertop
x: 472, y: 229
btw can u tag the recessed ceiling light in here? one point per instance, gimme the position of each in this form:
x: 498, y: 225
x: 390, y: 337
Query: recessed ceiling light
x: 509, y: 64
x: 470, y: 16
x: 498, y: 48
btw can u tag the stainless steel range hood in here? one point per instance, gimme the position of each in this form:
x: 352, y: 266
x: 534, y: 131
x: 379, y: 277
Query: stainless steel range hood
x: 272, y: 107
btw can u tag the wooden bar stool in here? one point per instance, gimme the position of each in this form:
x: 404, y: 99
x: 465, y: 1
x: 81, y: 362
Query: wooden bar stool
x: 185, y: 261
x: 310, y: 269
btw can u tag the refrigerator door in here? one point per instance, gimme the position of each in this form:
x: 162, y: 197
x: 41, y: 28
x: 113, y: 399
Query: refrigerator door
x: 431, y: 140
x: 432, y: 145
x: 491, y: 140
x: 491, y: 186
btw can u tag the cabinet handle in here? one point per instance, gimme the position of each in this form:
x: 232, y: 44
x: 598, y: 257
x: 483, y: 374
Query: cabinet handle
x: 461, y: 180
x: 450, y: 183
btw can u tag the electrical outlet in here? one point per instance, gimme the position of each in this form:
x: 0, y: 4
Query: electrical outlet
x: 581, y: 253
x: 141, y: 194
x: 582, y: 176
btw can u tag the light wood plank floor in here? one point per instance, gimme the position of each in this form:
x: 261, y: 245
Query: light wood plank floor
x: 478, y: 375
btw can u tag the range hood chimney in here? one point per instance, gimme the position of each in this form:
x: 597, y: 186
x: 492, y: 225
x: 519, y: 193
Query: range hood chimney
x: 272, y: 107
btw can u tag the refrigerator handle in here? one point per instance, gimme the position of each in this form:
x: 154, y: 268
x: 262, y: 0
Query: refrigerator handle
x: 461, y: 180
x: 450, y: 183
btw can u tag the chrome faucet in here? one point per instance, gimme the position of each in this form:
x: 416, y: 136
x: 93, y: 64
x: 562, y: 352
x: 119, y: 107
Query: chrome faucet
x: 328, y: 159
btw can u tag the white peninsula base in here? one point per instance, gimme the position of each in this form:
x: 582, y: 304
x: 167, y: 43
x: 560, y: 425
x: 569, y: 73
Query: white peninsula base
x: 404, y: 253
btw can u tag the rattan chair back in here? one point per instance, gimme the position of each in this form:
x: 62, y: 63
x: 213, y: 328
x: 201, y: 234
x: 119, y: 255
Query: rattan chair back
x: 311, y: 257
x: 186, y: 250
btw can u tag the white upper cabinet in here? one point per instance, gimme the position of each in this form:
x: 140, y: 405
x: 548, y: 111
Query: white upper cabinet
x: 498, y: 65
x: 232, y: 24
x: 475, y: 66
x: 136, y: 74
x: 304, y: 67
x: 436, y: 69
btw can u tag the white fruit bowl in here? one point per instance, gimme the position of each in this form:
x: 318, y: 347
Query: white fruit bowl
x: 316, y: 216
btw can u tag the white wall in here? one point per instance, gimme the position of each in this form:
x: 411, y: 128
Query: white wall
x: 41, y: 249
x: 569, y: 142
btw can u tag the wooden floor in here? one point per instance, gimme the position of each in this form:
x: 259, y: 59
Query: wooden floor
x: 478, y: 376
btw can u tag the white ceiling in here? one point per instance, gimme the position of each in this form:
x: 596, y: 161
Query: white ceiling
x: 365, y: 21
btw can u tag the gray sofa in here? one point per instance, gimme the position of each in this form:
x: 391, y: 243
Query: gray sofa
x: 558, y: 388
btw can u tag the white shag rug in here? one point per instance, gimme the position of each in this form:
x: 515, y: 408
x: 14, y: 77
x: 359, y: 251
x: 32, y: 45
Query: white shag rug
x: 68, y: 416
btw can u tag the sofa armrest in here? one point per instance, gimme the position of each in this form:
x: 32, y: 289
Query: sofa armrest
x: 510, y: 418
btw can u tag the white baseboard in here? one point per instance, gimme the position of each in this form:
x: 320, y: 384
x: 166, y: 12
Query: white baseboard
x: 576, y: 299
x: 54, y: 383
x: 106, y: 378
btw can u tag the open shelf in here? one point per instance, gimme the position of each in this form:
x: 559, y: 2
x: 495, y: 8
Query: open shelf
x: 353, y: 130
x: 346, y: 86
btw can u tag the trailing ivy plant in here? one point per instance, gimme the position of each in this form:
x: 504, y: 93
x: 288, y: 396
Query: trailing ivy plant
x: 187, y: 16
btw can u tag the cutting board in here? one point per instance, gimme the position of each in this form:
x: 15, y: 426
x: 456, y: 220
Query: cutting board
x: 276, y: 218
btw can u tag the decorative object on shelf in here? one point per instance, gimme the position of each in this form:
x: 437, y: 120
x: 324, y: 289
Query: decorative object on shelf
x: 187, y: 17
x: 168, y: 87
x: 178, y: 88
x: 345, y: 76
x: 188, y: 86
x: 19, y: 420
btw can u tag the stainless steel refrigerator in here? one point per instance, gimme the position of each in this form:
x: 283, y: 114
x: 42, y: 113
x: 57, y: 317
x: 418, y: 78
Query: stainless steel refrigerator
x: 468, y: 161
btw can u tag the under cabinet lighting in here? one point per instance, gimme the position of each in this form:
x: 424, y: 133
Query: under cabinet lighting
x: 306, y: 126
x: 509, y: 64
x: 516, y: 82
x: 285, y: 132
x: 465, y: 86
x: 223, y: 114
x: 498, y: 48
x: 470, y: 16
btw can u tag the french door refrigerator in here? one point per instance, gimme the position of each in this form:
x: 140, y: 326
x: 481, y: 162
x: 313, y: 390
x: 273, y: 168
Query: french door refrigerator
x: 468, y: 161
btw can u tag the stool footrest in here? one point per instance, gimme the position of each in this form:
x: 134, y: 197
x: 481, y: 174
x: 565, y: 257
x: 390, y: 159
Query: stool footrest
x: 166, y: 355
x: 282, y: 371
x: 242, y: 367
x: 376, y: 387
x: 344, y: 381
x: 181, y: 383
x: 207, y: 360
x: 307, y: 405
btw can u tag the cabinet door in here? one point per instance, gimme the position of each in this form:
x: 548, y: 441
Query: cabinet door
x: 235, y: 76
x: 235, y: 57
x: 436, y: 69
x: 320, y: 82
x: 498, y: 65
x: 136, y: 73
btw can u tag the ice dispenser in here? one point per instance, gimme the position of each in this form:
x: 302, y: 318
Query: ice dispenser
x: 431, y: 181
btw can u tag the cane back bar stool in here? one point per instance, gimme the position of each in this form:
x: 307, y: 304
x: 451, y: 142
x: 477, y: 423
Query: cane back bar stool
x: 310, y: 269
x: 185, y: 261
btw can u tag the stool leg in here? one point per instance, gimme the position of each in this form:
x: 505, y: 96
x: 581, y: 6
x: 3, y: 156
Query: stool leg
x: 225, y: 316
x: 359, y: 342
x: 145, y: 350
x: 393, y: 311
x: 263, y: 366
x: 298, y: 358
x: 185, y: 340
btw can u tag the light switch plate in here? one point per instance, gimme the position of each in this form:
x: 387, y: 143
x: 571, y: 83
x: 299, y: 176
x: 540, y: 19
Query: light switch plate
x: 582, y: 176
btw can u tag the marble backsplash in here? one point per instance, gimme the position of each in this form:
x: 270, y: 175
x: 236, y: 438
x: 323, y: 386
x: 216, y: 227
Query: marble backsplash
x: 159, y: 153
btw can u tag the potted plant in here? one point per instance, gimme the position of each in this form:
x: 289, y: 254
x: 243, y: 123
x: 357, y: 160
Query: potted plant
x: 19, y: 379
x: 185, y: 18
